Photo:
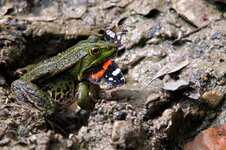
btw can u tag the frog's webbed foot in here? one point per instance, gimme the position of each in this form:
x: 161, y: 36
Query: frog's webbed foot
x: 28, y: 94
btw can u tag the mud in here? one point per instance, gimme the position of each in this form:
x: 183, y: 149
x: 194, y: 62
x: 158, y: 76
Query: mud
x: 163, y: 114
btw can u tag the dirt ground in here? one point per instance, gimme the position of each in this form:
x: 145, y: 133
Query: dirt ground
x: 173, y: 59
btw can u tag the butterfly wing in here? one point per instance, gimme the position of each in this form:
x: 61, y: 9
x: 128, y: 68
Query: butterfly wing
x: 110, y: 73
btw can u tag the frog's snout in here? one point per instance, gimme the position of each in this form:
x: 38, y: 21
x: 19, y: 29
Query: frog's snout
x: 109, y: 47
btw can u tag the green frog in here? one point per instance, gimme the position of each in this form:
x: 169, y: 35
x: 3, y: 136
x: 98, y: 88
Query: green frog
x: 62, y: 80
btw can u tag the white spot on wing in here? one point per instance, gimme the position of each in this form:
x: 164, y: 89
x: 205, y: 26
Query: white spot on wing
x: 110, y: 79
x: 116, y: 72
x: 111, y: 34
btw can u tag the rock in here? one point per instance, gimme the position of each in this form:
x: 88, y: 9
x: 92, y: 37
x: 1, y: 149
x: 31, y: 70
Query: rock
x: 173, y: 85
x: 43, y: 140
x: 113, y: 3
x: 120, y: 106
x: 101, y: 123
x: 212, y: 138
x: 193, y: 94
x: 154, y: 103
x: 221, y: 117
x: 11, y: 122
x: 5, y: 141
x: 213, y: 98
x: 49, y: 140
x: 195, y: 11
x: 144, y: 7
x: 2, y: 132
x: 74, y: 11
x: 12, y: 46
x: 124, y: 133
x: 164, y: 128
x: 3, y: 92
x: 170, y: 115
x: 151, y: 98
x: 2, y: 81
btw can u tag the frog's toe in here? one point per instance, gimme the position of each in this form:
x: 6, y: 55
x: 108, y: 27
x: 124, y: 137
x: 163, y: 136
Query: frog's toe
x: 20, y: 72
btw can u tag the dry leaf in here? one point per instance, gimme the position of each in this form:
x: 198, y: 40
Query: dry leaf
x: 173, y: 66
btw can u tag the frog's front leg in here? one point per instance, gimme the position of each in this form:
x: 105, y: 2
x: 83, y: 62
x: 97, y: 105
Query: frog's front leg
x: 29, y: 95
x: 84, y: 100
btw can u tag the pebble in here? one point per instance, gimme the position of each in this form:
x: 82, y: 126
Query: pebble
x: 175, y: 85
x: 2, y: 132
x: 121, y: 115
x: 5, y: 141
x: 120, y: 106
x: 123, y: 134
x: 213, y: 98
x: 2, y: 81
x: 10, y: 122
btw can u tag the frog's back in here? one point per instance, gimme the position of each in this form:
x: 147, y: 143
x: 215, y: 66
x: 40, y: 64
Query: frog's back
x: 54, y: 65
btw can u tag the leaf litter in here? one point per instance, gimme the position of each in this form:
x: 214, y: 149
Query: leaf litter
x: 177, y: 64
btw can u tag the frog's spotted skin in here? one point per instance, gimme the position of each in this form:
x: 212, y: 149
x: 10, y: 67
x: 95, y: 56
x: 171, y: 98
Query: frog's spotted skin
x: 59, y: 81
x: 67, y: 59
x: 62, y: 92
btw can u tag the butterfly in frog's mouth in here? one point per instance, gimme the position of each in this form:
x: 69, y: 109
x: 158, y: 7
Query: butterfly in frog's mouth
x: 109, y: 72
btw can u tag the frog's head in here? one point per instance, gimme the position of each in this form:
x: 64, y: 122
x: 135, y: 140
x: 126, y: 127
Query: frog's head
x: 97, y: 51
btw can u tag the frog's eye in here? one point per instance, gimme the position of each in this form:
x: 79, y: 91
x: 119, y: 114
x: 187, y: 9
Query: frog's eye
x: 95, y: 51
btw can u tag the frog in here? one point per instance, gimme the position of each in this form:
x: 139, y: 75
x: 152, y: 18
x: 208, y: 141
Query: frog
x: 65, y: 79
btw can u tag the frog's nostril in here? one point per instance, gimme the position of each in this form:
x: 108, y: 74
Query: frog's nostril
x: 109, y: 47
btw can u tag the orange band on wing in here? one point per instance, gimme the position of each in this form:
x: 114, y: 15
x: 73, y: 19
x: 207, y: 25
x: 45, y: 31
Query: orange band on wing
x: 106, y: 64
x: 101, y: 72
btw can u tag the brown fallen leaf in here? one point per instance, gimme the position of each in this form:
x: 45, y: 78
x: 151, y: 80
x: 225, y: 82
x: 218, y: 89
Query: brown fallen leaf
x: 210, y: 139
x: 173, y: 66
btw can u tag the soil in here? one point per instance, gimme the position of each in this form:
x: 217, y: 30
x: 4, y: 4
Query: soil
x: 173, y: 59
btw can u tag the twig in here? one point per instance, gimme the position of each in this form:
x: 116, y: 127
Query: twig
x: 189, y: 33
x: 194, y: 31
